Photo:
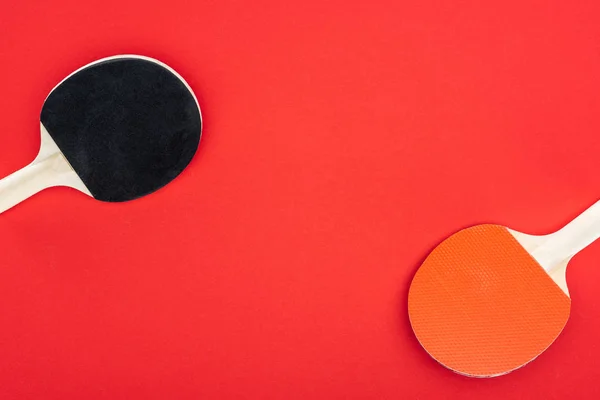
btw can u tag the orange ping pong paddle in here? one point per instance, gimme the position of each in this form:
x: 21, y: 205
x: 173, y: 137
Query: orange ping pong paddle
x: 488, y: 299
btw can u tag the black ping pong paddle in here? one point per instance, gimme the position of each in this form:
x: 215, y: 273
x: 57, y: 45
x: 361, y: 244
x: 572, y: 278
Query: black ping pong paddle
x: 117, y: 129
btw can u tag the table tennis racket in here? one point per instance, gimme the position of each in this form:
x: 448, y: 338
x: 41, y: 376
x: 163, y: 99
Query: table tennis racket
x: 488, y: 299
x: 116, y: 129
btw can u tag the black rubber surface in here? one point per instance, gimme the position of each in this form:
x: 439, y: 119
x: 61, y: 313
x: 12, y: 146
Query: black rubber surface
x: 127, y: 126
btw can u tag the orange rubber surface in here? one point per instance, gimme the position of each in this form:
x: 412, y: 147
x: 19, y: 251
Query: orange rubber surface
x: 482, y: 306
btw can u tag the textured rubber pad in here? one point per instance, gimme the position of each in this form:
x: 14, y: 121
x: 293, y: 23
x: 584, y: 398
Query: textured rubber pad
x: 482, y: 306
x: 127, y: 126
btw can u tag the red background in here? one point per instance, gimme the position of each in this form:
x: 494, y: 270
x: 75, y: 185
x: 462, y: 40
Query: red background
x: 342, y: 142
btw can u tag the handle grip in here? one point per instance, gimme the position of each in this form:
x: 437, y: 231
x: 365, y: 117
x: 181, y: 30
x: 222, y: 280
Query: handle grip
x: 571, y: 239
x: 37, y: 176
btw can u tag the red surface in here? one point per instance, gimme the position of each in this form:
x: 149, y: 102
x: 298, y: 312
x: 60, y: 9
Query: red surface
x: 341, y: 144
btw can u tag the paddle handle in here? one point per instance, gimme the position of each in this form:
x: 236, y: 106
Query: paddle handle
x: 571, y: 239
x: 35, y: 177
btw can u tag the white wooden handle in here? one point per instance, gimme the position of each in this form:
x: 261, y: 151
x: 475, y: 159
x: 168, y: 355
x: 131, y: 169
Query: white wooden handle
x: 570, y: 240
x: 50, y: 168
x: 35, y: 177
